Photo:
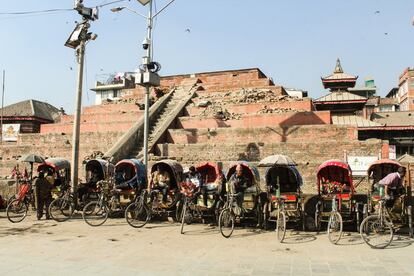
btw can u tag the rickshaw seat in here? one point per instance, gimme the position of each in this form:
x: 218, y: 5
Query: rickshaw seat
x: 287, y: 198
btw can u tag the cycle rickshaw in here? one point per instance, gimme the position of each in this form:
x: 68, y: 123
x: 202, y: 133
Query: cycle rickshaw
x: 59, y: 169
x: 127, y: 178
x: 336, y: 204
x: 150, y: 202
x: 284, y: 196
x: 63, y: 207
x: 377, y: 229
x: 251, y: 207
x: 204, y: 202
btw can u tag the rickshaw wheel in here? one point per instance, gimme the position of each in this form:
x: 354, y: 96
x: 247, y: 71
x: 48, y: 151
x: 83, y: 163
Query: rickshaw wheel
x: 335, y: 227
x: 16, y: 211
x: 61, y: 209
x: 375, y: 233
x: 95, y: 214
x: 281, y: 226
x: 226, y: 222
x: 137, y: 214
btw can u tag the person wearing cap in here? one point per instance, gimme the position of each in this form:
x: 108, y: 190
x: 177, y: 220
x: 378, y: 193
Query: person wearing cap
x: 393, y: 186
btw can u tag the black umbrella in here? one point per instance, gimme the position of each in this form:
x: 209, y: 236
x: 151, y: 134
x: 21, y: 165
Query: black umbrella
x: 31, y: 158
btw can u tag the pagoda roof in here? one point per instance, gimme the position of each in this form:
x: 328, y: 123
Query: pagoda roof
x: 339, y: 76
x: 342, y: 96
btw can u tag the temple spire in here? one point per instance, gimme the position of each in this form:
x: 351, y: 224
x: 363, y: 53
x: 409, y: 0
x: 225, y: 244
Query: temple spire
x: 338, y: 67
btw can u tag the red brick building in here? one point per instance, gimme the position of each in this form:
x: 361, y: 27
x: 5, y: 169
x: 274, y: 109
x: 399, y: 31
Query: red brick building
x: 406, y: 90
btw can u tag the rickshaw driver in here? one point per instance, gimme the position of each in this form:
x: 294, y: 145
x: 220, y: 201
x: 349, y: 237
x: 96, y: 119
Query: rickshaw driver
x: 160, y: 180
x: 239, y: 183
x: 393, y: 186
x: 90, y: 185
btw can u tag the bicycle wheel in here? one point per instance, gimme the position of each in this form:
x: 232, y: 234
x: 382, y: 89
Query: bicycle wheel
x: 95, y: 214
x: 226, y: 222
x: 281, y: 226
x: 335, y: 227
x: 137, y: 214
x: 16, y: 211
x: 61, y: 209
x: 184, y: 211
x: 377, y: 232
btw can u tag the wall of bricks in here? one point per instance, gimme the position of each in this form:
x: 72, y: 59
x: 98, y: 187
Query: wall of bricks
x: 275, y: 134
x: 308, y: 155
x: 54, y: 145
x: 259, y: 120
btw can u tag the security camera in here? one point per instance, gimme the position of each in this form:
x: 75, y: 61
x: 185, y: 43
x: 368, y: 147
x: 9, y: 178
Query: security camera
x: 146, y: 43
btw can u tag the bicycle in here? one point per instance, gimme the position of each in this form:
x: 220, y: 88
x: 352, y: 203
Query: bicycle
x: 63, y: 207
x: 96, y: 213
x: 227, y: 216
x: 378, y: 227
x: 281, y: 219
x: 17, y: 208
x: 137, y: 214
x: 335, y: 223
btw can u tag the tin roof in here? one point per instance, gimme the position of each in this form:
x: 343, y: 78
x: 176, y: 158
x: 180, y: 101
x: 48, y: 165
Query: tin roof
x: 353, y: 121
x: 340, y: 96
x: 397, y: 118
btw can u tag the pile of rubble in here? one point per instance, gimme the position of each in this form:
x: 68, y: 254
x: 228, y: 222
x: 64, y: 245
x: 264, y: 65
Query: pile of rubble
x: 279, y: 110
x: 124, y: 101
x: 218, y: 112
x: 215, y: 104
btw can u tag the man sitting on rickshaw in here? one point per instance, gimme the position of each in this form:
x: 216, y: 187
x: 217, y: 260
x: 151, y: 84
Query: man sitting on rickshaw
x: 160, y: 180
x: 238, y: 184
x: 393, y: 186
x: 89, y: 186
x: 195, y: 178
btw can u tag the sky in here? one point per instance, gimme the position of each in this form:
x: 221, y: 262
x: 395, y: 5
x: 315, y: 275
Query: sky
x: 295, y: 42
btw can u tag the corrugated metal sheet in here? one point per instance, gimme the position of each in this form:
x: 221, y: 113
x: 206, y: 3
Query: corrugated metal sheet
x: 353, y: 121
x: 340, y: 96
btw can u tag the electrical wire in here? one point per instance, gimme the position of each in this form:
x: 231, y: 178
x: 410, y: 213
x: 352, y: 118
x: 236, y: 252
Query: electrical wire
x: 54, y: 10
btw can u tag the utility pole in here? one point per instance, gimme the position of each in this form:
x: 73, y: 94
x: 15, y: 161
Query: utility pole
x: 2, y: 106
x: 77, y: 40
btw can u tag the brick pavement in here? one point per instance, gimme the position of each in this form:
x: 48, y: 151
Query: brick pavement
x: 42, y: 247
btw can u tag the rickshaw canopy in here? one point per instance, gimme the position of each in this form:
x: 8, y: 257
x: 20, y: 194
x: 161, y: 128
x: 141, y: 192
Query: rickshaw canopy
x: 252, y: 169
x: 104, y: 168
x: 383, y: 162
x: 173, y: 167
x: 335, y: 171
x: 56, y: 164
x: 136, y: 165
x: 292, y: 169
x: 210, y: 169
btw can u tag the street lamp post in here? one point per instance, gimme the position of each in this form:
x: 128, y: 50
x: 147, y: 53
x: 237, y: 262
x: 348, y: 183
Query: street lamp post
x: 77, y: 40
x: 147, y: 75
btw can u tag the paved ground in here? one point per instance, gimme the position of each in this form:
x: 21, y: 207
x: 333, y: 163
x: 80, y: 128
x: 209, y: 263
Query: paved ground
x: 74, y: 248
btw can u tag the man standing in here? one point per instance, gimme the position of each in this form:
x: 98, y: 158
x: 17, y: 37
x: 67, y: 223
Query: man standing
x: 43, y: 195
x: 393, y: 185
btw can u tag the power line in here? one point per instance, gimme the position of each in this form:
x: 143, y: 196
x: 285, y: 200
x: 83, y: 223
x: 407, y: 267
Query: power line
x: 54, y: 10
x: 34, y: 12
